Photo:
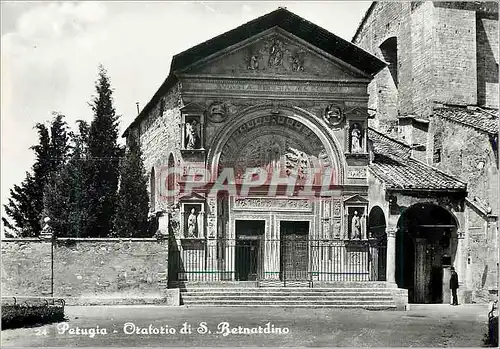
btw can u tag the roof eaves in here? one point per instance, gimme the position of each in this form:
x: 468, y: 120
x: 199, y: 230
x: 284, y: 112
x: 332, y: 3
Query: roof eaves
x: 440, y: 171
x: 471, y: 125
x: 166, y: 85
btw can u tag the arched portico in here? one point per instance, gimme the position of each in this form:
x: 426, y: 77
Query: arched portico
x: 426, y: 246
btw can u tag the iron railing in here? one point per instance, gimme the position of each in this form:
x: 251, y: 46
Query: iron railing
x: 281, y: 260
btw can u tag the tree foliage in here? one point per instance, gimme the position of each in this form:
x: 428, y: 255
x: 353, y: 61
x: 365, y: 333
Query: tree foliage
x: 131, y: 216
x: 103, y: 160
x: 25, y: 205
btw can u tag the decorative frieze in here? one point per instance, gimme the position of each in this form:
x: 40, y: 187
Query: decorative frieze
x: 268, y: 204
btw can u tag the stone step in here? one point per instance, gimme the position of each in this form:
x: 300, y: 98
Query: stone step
x: 287, y: 292
x: 310, y: 305
x: 278, y: 296
x: 290, y: 301
x: 282, y: 289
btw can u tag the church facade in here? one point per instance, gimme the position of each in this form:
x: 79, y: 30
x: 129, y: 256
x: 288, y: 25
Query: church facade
x: 264, y: 170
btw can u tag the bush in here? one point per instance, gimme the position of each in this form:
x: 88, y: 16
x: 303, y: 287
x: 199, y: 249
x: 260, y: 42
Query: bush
x: 26, y: 315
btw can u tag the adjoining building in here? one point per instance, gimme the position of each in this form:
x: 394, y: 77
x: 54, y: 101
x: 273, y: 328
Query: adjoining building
x: 438, y: 98
x: 270, y: 166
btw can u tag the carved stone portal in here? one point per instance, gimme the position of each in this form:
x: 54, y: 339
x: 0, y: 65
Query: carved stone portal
x: 284, y: 150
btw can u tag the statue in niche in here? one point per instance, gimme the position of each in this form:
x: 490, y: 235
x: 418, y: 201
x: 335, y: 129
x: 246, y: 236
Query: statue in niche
x: 192, y: 224
x: 355, y: 226
x: 356, y: 139
x: 192, y: 134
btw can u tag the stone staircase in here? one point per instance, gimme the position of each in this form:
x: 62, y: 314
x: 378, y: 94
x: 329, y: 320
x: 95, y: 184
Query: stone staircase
x: 307, y: 297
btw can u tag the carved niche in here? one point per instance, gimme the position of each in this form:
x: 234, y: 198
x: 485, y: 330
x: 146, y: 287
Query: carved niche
x: 355, y: 209
x: 192, y: 127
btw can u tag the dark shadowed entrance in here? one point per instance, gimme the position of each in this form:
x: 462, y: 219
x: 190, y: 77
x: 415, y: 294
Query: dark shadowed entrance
x: 248, y: 253
x: 425, y: 244
x: 294, y: 250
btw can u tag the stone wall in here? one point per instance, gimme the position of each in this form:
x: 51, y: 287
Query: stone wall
x: 86, y: 270
x: 160, y: 136
x: 26, y: 267
x: 468, y: 155
x: 487, y: 61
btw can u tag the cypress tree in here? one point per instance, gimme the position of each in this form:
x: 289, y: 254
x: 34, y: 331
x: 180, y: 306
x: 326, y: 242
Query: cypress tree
x: 103, y: 158
x: 133, y: 201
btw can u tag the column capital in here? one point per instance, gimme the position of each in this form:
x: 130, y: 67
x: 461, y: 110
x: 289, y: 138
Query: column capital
x: 391, y: 232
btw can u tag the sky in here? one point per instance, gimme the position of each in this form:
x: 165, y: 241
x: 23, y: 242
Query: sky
x: 50, y: 52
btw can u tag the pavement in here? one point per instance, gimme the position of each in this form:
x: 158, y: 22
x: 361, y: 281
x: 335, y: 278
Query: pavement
x: 149, y: 326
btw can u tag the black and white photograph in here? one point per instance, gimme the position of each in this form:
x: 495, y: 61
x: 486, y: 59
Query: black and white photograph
x: 249, y: 174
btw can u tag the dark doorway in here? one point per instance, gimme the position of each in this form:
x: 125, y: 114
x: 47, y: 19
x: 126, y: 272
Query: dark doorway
x: 426, y: 235
x: 294, y: 250
x: 376, y: 230
x: 248, y: 249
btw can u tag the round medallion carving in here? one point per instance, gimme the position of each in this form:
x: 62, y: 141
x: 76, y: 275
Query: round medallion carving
x: 217, y: 112
x: 333, y: 115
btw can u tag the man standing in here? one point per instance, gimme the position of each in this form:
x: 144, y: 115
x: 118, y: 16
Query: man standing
x: 454, y: 285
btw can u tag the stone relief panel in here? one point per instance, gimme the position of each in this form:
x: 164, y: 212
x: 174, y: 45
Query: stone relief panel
x: 358, y: 172
x: 268, y: 204
x: 274, y: 54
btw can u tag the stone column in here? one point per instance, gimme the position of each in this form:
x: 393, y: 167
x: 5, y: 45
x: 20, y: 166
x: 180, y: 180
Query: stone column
x: 460, y: 258
x: 391, y: 255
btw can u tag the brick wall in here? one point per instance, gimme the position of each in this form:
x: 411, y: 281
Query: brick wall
x: 111, y: 269
x: 454, y: 56
x: 447, y: 52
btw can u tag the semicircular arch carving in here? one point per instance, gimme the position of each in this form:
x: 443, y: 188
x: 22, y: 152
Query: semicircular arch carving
x: 292, y: 139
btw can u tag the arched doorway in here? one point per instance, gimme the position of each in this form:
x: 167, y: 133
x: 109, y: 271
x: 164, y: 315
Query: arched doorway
x: 425, y: 243
x: 376, y: 231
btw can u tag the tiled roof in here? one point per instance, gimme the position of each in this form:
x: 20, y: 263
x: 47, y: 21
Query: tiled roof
x: 394, y: 165
x: 480, y: 119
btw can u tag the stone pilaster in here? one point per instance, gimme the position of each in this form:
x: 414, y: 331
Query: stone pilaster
x: 391, y: 255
